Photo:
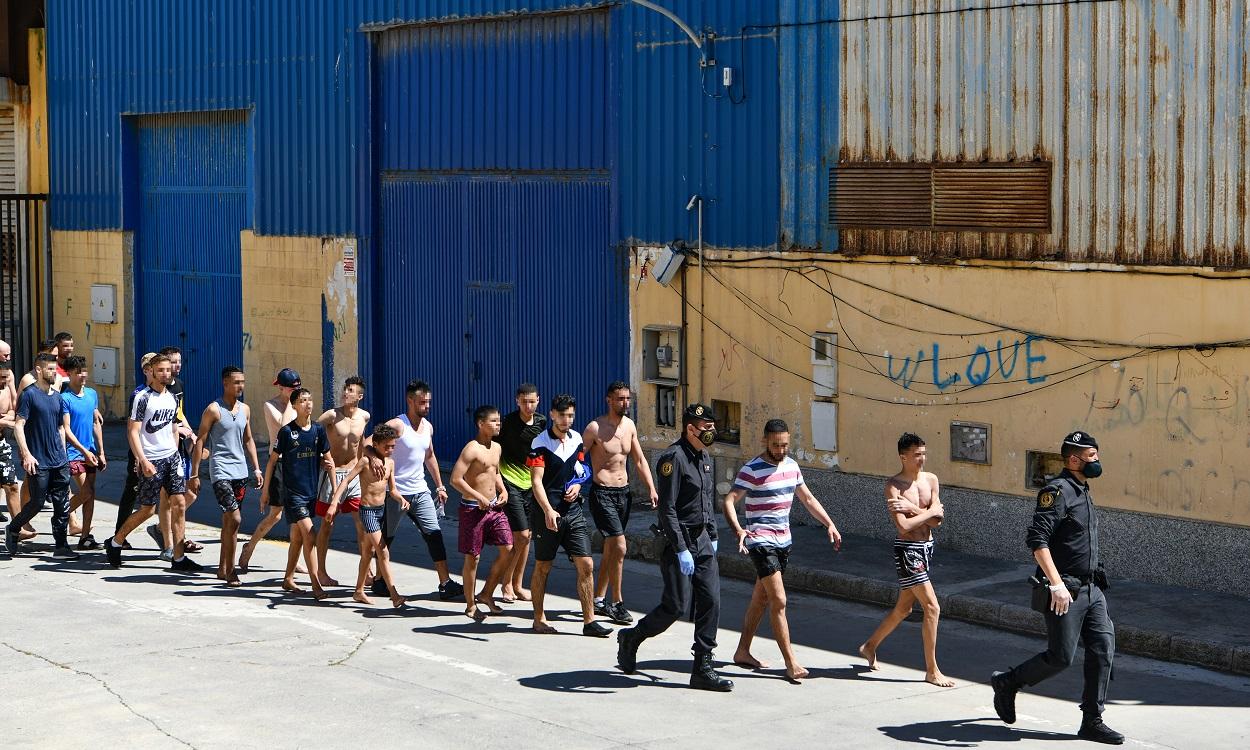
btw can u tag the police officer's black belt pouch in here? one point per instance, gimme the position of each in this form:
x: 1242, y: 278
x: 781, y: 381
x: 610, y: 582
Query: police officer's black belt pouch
x: 1040, y: 600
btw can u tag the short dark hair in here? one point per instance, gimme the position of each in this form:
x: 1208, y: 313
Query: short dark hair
x: 63, y: 336
x: 384, y: 433
x: 775, y: 427
x: 43, y: 358
x: 47, y: 344
x: 909, y: 440
x: 1068, y: 449
x: 416, y: 386
x: 229, y: 371
x: 483, y: 412
x: 355, y: 380
x: 299, y: 393
x: 526, y: 389
x: 563, y: 401
x: 75, y: 363
x: 617, y: 385
x: 169, y: 351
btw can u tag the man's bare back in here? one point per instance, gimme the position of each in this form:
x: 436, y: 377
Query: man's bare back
x: 920, y: 494
x: 482, y: 470
x: 346, y: 433
x: 278, y: 413
x: 610, y: 446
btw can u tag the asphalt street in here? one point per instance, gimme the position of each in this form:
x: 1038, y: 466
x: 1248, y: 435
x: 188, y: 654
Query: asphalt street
x: 142, y: 658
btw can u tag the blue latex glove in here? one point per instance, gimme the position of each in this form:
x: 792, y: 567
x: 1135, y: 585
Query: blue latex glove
x: 685, y: 561
x: 715, y: 545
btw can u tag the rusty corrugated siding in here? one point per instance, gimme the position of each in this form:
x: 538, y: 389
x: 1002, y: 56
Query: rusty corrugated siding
x: 1143, y: 107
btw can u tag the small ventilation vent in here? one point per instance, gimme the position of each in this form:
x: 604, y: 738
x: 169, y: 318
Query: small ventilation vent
x: 881, y: 195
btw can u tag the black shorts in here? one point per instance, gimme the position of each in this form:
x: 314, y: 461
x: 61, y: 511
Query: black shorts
x: 769, y: 560
x: 609, y: 506
x: 518, y: 508
x: 572, y: 533
x: 275, y: 486
x: 296, y: 509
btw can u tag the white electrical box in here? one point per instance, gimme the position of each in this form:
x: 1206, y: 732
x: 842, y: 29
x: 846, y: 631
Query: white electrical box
x: 104, y: 365
x: 666, y: 264
x: 824, y: 425
x: 103, y: 303
x: 824, y: 364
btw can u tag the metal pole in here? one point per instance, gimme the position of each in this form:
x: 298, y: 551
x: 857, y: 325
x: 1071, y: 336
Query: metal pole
x: 702, y: 329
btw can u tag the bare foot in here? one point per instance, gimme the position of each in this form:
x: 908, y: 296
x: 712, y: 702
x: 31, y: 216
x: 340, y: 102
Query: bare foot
x: 489, y: 603
x: 326, y: 580
x: 523, y: 595
x: 397, y: 600
x: 221, y: 574
x: 320, y: 594
x: 506, y: 596
x: 744, y: 659
x: 796, y: 673
x: 360, y: 596
x: 474, y: 613
x: 290, y: 586
x: 299, y: 568
x: 25, y: 534
x: 368, y: 580
x: 244, y: 559
x: 939, y: 679
x: 233, y: 581
x: 869, y: 653
x: 28, y: 528
x: 544, y: 629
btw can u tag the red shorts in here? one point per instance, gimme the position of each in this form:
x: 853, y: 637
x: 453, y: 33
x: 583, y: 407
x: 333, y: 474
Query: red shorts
x: 479, y: 528
x: 350, y: 505
x: 77, y: 468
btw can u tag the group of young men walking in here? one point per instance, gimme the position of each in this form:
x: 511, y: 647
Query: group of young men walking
x: 522, y: 482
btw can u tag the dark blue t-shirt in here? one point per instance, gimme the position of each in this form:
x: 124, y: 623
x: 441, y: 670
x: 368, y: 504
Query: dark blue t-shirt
x: 43, y: 414
x: 300, y: 452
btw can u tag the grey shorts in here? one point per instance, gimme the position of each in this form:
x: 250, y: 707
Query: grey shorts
x: 421, y: 510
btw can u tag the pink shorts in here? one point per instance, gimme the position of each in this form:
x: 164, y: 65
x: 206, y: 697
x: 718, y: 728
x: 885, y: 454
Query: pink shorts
x: 479, y: 528
x: 77, y: 468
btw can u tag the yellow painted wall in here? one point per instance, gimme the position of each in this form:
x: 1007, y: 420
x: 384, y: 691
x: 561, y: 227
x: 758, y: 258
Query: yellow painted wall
x: 80, y: 259
x: 38, y: 117
x: 284, y: 281
x: 1174, y: 425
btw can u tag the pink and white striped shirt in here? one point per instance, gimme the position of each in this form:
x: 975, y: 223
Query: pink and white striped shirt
x: 769, y: 495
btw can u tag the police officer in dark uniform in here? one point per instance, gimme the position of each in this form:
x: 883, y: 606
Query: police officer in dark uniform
x: 687, y: 521
x: 1064, y: 540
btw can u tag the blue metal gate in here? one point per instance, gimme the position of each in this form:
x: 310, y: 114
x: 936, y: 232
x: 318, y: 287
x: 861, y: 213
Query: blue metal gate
x: 193, y: 201
x: 496, y: 261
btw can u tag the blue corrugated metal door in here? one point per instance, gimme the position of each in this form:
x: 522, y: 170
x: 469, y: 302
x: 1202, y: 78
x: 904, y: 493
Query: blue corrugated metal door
x: 496, y: 261
x: 193, y: 200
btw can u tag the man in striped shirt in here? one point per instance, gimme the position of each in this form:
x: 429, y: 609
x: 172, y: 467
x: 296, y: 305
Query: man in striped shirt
x: 912, y: 499
x: 769, y: 483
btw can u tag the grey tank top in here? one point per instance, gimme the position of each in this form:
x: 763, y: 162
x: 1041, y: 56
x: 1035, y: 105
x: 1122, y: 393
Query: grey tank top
x: 225, y: 442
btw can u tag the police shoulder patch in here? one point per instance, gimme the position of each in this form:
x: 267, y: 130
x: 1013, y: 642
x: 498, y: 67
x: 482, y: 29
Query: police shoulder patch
x: 666, y: 468
x: 1046, y: 499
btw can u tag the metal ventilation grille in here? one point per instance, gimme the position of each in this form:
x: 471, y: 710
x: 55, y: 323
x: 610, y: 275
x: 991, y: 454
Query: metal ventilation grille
x: 992, y: 197
x: 997, y: 197
x: 881, y: 195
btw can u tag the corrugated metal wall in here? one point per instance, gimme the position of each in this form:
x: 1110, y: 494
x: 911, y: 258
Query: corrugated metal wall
x: 683, y: 133
x: 1141, y: 106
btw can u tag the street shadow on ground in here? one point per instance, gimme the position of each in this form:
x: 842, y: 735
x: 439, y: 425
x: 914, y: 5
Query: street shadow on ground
x: 966, y: 733
x: 650, y: 673
x: 469, y: 630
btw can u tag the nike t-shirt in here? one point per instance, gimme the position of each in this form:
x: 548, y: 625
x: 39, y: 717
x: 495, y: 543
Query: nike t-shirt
x: 156, y: 414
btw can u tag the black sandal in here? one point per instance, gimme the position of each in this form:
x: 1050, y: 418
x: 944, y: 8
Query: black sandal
x: 88, y: 542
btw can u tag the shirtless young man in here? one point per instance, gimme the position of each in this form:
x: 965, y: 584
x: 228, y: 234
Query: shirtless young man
x: 912, y: 499
x: 374, y: 490
x: 278, y: 413
x: 8, y: 418
x: 610, y: 440
x: 482, y: 520
x: 226, y: 434
x: 345, y: 425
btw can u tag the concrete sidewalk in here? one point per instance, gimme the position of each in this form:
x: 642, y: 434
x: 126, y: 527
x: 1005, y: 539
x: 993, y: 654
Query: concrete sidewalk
x: 1161, y: 622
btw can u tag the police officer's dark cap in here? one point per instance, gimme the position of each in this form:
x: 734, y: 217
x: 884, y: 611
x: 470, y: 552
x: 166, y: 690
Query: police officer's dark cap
x: 696, y: 412
x: 1080, y: 440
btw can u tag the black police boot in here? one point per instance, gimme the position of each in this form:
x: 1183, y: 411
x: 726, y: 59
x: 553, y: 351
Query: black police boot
x: 704, y: 677
x: 1094, y: 730
x: 627, y: 642
x: 1005, y: 687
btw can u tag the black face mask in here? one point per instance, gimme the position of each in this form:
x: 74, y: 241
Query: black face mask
x: 707, y: 436
x: 1092, y: 469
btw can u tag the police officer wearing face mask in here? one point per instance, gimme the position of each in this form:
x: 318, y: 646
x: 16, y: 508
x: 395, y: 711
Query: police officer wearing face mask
x: 687, y: 521
x: 1064, y: 540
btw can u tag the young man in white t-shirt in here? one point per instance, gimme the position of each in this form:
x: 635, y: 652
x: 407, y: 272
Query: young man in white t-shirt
x: 152, y: 434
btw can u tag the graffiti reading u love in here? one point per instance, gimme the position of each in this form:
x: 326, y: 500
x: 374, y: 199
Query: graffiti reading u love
x: 983, y: 365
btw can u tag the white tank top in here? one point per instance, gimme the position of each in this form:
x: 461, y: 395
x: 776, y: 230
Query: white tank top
x: 411, y: 450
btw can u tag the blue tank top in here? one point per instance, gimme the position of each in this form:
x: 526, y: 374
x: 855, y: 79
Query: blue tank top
x: 225, y: 442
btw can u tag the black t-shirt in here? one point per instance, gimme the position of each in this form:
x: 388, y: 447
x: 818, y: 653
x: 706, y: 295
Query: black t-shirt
x: 515, y: 440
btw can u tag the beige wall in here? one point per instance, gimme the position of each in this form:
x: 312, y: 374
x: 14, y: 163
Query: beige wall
x: 284, y: 282
x: 1174, y: 424
x: 80, y: 259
